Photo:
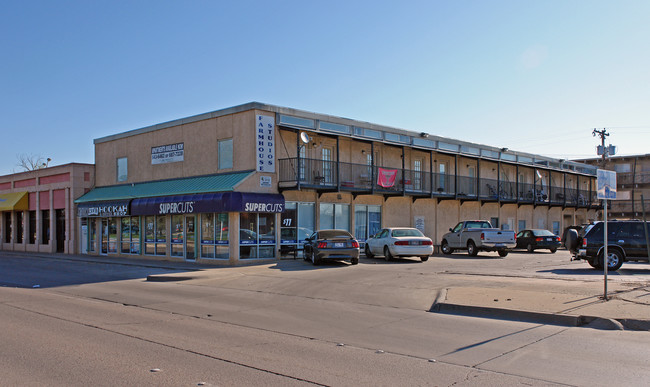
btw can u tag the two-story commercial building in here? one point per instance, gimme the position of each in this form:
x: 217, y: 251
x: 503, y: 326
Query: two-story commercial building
x: 38, y: 210
x: 273, y: 175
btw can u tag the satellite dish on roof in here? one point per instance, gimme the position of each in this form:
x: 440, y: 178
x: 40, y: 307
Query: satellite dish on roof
x: 304, y: 137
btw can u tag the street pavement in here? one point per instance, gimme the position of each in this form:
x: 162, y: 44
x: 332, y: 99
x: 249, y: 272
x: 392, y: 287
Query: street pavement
x: 539, y: 287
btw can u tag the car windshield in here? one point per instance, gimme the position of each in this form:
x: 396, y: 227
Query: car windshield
x: 542, y: 233
x: 409, y: 232
x: 334, y: 234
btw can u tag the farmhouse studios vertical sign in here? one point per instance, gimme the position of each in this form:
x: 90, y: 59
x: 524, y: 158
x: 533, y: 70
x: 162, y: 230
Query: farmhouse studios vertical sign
x: 265, y: 144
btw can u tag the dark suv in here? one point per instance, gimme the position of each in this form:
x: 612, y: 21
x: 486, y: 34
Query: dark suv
x: 625, y: 242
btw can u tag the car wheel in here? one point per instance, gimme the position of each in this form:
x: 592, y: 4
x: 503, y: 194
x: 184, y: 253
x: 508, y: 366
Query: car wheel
x: 614, y: 260
x: 471, y: 249
x: 503, y: 253
x: 314, y: 260
x: 305, y: 255
x: 553, y: 250
x: 387, y: 255
x: 424, y: 258
x: 595, y: 263
x: 354, y: 261
x: 530, y: 248
x: 368, y: 253
x: 445, y: 248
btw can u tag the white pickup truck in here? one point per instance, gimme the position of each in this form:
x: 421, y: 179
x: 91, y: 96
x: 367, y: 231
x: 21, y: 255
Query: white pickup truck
x: 478, y: 235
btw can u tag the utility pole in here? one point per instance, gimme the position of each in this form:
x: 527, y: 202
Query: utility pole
x: 602, y: 133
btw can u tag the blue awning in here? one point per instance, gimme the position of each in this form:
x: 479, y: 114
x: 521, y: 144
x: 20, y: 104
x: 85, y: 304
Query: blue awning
x: 211, y: 202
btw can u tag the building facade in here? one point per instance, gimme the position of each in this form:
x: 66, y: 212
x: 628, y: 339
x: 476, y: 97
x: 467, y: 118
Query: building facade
x: 274, y: 175
x: 632, y: 185
x: 38, y: 210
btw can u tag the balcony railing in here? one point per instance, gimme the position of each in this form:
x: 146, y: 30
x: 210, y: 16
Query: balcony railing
x: 326, y: 175
x: 628, y: 178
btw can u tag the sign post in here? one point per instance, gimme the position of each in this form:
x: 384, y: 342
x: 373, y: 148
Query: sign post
x: 606, y: 181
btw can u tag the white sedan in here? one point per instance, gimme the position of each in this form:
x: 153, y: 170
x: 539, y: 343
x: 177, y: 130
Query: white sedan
x: 399, y: 242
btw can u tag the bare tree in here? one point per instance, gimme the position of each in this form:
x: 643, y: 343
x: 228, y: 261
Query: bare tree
x: 32, y: 162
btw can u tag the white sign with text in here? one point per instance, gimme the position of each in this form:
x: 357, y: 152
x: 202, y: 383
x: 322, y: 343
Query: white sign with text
x: 265, y: 144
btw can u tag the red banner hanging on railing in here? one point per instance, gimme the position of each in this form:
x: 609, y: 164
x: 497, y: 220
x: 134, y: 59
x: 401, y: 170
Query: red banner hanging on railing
x: 386, y: 177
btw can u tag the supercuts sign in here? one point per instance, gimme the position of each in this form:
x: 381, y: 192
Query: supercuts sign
x: 263, y: 207
x: 176, y: 208
x: 103, y: 210
x: 210, y: 202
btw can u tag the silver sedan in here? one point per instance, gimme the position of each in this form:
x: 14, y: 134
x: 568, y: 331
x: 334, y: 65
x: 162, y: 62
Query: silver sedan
x: 399, y: 242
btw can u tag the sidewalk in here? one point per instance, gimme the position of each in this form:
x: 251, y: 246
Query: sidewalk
x: 627, y: 309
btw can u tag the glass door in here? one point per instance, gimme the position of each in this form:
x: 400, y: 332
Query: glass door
x: 190, y: 238
x: 104, y: 236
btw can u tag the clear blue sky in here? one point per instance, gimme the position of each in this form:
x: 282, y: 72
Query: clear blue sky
x: 533, y: 76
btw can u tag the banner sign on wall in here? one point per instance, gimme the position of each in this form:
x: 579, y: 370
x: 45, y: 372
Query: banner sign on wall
x: 386, y: 177
x: 170, y: 153
x: 265, y: 144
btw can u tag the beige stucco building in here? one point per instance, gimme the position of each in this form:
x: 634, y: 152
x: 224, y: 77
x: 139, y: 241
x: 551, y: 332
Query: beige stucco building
x: 632, y: 185
x: 38, y: 210
x: 275, y: 174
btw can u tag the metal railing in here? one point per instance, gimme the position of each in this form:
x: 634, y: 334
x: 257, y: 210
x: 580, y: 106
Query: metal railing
x: 330, y: 175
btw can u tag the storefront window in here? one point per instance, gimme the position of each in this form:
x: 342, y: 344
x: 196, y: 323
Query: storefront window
x: 32, y: 227
x: 248, y: 235
x: 130, y: 235
x: 45, y: 227
x: 266, y: 235
x: 367, y: 221
x: 326, y: 216
x: 92, y: 230
x: 149, y: 235
x: 334, y: 216
x: 19, y: 226
x: 178, y: 235
x: 297, y: 223
x: 214, y: 236
x: 161, y: 235
x: 112, y: 235
x: 256, y: 235
x: 7, y: 227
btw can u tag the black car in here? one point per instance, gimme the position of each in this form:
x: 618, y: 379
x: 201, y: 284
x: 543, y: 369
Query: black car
x: 626, y: 241
x: 331, y: 244
x: 536, y: 239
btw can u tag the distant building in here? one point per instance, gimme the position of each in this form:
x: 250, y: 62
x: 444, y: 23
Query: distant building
x: 38, y: 210
x: 632, y: 182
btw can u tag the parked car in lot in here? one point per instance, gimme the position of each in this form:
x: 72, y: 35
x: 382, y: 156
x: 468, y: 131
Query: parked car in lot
x: 537, y: 239
x: 331, y: 244
x: 626, y: 241
x: 399, y: 242
x: 475, y: 236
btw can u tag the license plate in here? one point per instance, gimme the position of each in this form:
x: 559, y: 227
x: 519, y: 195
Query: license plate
x: 549, y: 239
x: 339, y: 245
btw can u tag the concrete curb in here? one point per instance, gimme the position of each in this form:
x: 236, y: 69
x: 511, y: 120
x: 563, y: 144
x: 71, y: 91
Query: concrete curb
x: 168, y: 278
x: 540, y: 317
